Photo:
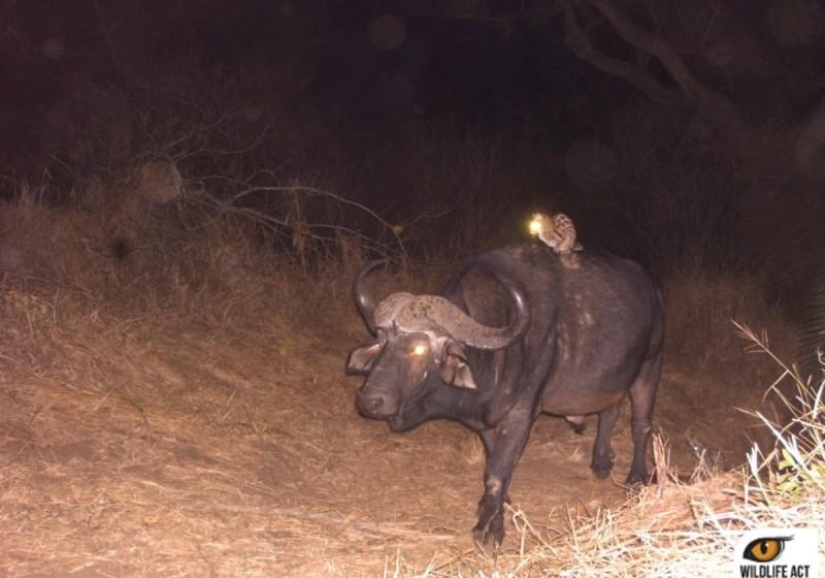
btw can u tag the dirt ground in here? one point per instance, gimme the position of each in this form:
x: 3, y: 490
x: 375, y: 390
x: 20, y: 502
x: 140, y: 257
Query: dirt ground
x: 146, y: 447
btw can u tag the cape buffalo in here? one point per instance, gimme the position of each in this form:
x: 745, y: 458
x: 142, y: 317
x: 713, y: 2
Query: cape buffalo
x: 516, y: 332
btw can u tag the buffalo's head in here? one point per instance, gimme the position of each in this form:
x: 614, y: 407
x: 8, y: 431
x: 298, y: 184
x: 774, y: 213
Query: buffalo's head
x: 421, y: 343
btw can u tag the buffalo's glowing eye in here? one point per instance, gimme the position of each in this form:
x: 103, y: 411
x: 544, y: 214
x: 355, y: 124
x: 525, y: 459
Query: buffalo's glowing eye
x: 420, y: 350
x: 765, y: 549
x: 535, y: 226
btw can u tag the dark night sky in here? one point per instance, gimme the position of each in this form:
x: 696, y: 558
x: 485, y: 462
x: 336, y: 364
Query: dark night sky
x: 437, y: 64
x: 433, y: 66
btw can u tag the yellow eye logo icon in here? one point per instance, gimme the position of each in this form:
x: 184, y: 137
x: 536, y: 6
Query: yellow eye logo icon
x: 765, y: 549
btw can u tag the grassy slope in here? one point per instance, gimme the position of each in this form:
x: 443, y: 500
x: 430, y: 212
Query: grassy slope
x: 156, y: 423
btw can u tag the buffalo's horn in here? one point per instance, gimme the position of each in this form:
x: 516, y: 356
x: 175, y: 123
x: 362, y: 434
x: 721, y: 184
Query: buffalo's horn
x: 387, y: 311
x: 434, y: 311
x: 365, y: 303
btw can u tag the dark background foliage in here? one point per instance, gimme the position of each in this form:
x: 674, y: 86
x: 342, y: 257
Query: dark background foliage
x: 682, y: 134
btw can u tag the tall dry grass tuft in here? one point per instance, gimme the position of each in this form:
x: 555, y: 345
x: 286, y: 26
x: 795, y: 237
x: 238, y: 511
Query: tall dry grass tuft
x: 798, y: 458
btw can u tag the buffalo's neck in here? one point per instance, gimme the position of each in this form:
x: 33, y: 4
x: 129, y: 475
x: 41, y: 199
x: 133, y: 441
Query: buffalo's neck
x: 497, y: 375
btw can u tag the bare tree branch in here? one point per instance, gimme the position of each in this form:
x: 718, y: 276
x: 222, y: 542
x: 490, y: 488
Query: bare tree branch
x: 321, y: 233
x: 712, y: 105
x: 696, y: 93
x: 578, y: 41
x: 765, y: 153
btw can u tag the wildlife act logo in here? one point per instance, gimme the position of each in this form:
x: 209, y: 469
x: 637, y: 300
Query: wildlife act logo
x: 783, y: 553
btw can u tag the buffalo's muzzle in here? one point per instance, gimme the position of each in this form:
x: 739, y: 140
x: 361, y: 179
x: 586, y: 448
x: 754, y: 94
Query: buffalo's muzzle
x: 375, y: 405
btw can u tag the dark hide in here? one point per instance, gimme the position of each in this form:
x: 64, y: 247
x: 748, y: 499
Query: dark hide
x: 595, y: 334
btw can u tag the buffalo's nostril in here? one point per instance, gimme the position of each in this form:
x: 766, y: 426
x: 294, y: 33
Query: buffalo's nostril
x: 372, y: 404
x: 376, y: 404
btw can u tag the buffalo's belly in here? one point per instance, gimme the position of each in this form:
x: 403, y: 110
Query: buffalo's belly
x: 581, y: 398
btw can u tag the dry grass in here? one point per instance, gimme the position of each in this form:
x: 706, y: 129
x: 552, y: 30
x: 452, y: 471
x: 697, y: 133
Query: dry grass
x: 162, y: 447
x: 185, y: 413
x: 126, y: 257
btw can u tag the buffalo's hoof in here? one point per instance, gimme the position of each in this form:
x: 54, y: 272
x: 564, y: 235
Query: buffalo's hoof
x: 601, y: 468
x: 488, y: 537
x: 601, y: 474
x: 635, y: 478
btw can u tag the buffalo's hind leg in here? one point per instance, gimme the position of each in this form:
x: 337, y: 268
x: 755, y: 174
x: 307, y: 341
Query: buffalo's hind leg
x: 642, y: 397
x: 602, y: 451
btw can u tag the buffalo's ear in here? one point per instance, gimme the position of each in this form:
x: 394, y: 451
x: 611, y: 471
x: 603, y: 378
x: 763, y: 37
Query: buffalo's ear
x: 361, y: 359
x: 454, y: 368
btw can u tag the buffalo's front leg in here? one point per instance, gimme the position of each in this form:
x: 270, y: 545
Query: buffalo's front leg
x: 504, y: 444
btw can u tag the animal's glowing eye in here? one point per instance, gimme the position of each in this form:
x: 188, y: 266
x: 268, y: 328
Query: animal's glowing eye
x: 765, y: 549
x: 535, y: 226
x: 420, y: 350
